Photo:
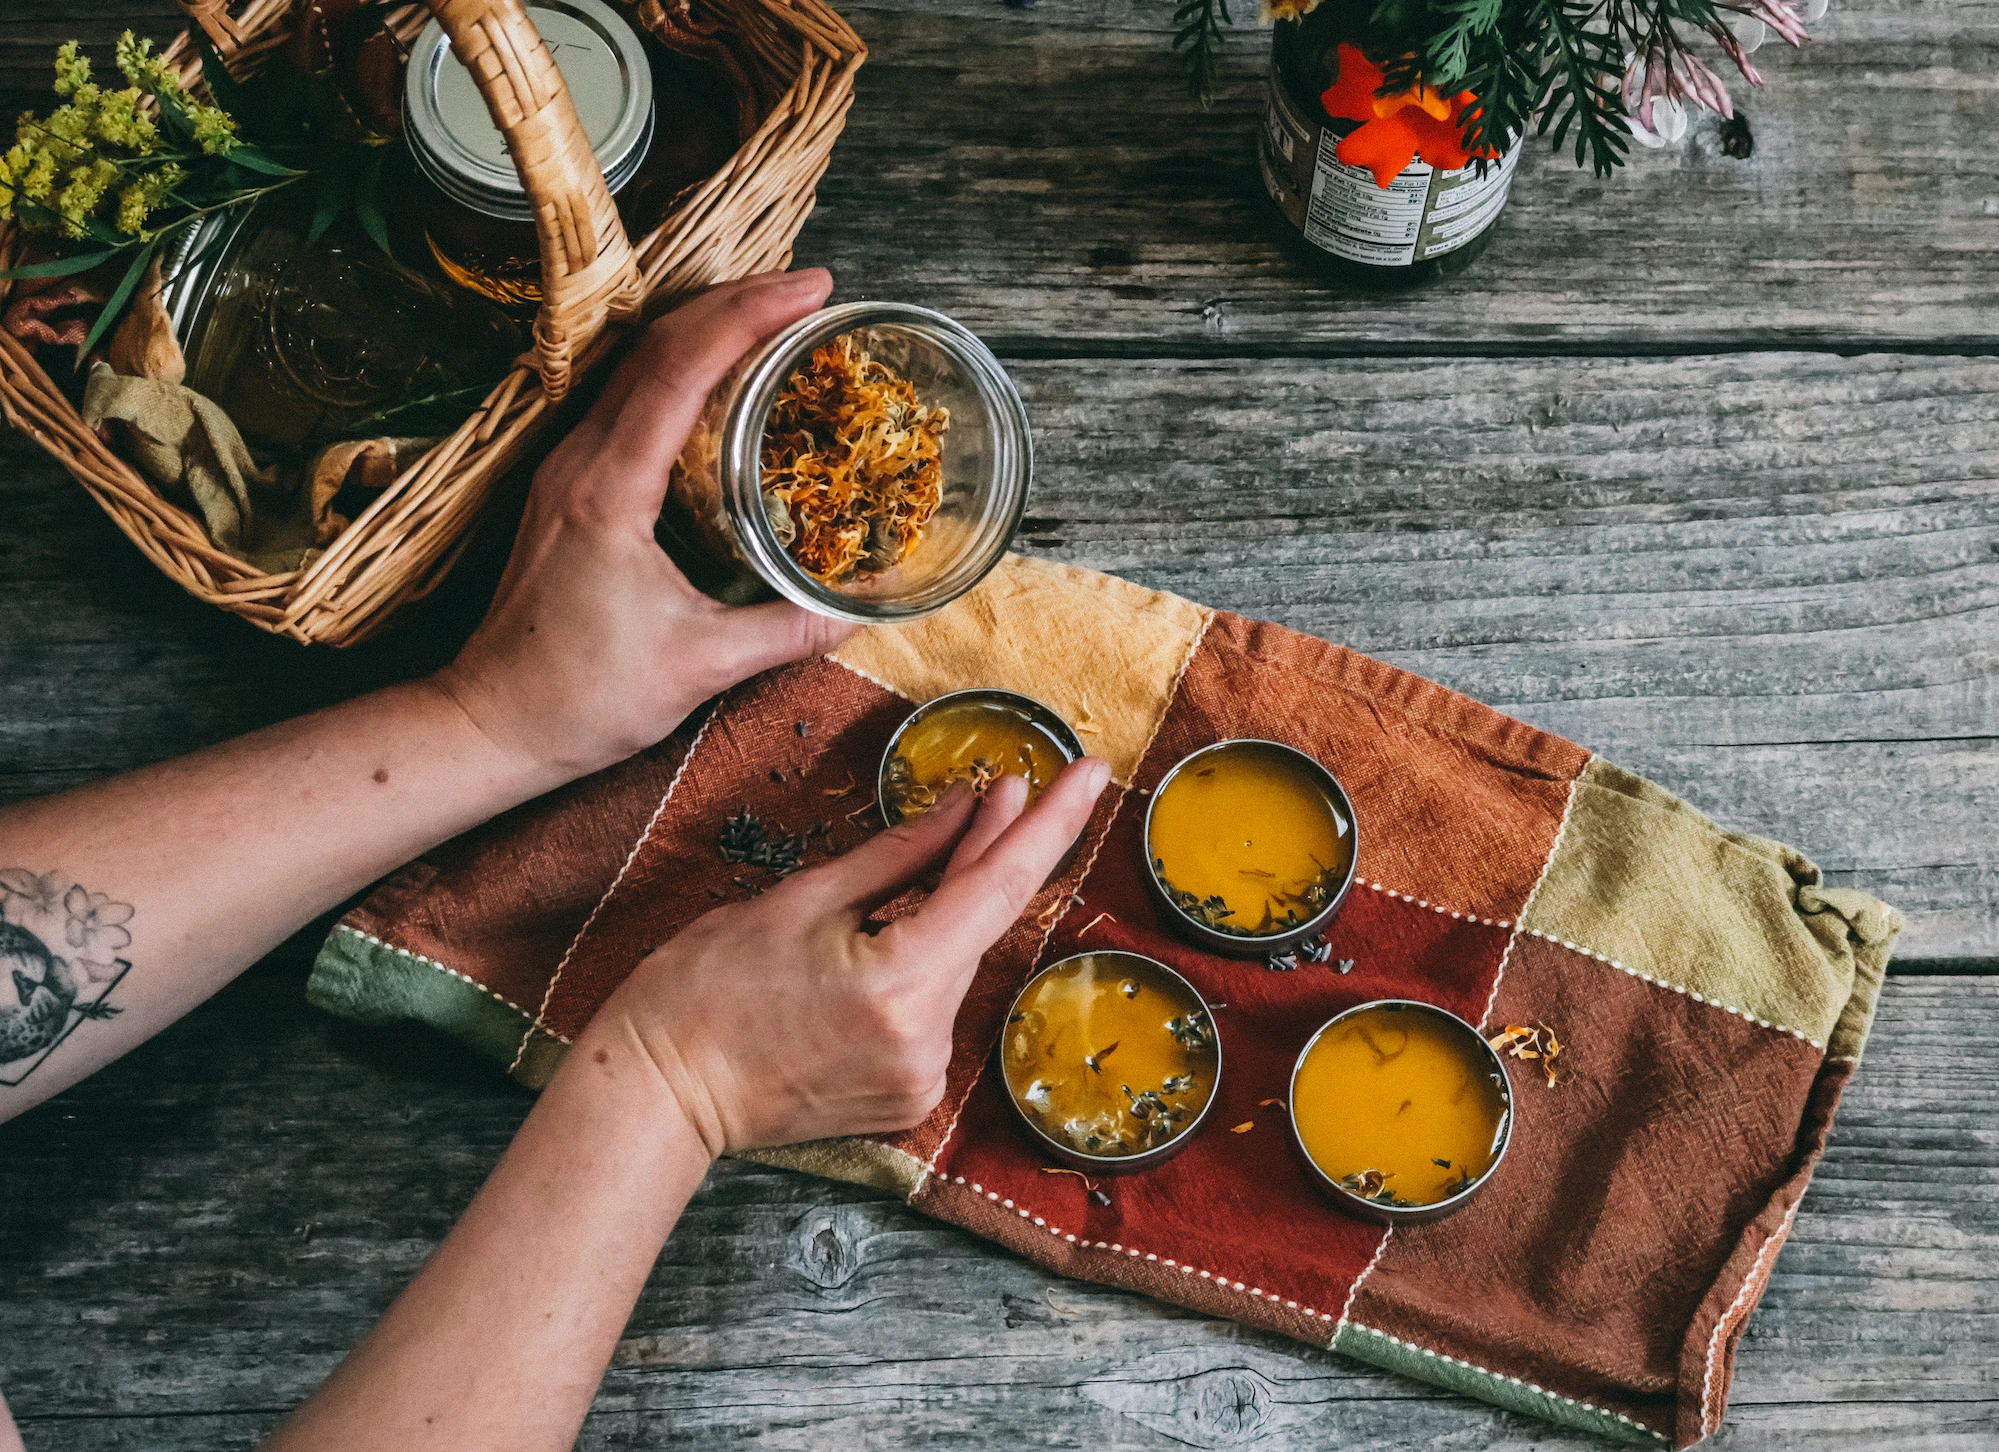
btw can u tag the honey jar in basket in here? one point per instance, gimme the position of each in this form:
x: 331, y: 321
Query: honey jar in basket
x: 657, y: 121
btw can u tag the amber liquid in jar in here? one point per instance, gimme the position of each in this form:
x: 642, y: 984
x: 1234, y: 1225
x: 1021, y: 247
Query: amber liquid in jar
x: 970, y: 740
x: 695, y: 130
x: 1399, y: 1106
x: 1109, y: 1056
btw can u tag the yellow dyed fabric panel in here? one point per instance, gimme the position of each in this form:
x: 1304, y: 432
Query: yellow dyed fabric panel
x: 1103, y: 652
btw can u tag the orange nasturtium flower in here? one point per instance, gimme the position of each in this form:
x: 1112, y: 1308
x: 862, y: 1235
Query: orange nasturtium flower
x: 1394, y: 130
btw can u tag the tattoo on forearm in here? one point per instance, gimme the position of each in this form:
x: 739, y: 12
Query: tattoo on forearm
x: 59, y: 947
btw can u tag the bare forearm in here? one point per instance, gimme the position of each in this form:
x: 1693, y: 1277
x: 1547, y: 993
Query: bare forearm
x: 129, y: 901
x: 501, y: 1339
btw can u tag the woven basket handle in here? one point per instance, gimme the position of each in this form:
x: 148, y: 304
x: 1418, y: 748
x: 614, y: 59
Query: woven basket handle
x: 589, y: 275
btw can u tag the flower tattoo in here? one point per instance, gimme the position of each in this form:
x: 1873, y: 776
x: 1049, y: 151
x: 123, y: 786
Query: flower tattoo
x: 44, y: 995
x: 96, y: 924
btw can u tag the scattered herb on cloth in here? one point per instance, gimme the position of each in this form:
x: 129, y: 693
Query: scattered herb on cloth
x: 1530, y: 1041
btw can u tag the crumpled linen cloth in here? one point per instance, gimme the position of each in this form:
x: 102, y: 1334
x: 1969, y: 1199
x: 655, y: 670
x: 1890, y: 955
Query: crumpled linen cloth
x: 1712, y: 993
x: 187, y: 445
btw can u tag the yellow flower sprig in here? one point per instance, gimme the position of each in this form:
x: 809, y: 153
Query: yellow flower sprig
x: 124, y: 167
x: 100, y: 156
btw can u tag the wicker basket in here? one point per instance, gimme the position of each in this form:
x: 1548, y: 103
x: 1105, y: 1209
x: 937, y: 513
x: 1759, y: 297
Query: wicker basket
x: 742, y: 220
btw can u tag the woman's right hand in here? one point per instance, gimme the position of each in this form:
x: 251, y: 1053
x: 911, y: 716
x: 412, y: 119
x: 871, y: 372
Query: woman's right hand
x: 783, y: 1019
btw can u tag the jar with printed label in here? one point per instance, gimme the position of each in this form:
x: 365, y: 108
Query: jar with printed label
x: 1429, y: 220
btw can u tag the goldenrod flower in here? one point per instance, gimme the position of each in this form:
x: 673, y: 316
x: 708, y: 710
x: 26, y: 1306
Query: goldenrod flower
x: 85, y: 190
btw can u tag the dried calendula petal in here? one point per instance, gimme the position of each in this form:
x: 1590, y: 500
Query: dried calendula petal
x: 1244, y: 1128
x: 853, y: 461
x: 1530, y: 1041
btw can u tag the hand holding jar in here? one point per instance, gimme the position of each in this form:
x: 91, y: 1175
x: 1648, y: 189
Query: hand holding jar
x: 596, y: 646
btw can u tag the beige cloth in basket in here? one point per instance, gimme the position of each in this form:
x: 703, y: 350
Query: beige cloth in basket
x: 185, y: 444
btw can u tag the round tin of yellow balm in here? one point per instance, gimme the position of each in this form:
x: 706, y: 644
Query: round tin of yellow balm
x: 1110, y: 1061
x: 978, y: 736
x: 1250, y: 847
x: 1401, y: 1111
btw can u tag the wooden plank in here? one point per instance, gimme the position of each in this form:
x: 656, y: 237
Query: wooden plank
x: 1054, y: 188
x: 1051, y: 185
x: 189, y: 1240
x: 1768, y: 581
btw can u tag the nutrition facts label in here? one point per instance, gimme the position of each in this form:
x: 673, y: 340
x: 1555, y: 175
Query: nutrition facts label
x: 1422, y: 213
x: 1353, y: 217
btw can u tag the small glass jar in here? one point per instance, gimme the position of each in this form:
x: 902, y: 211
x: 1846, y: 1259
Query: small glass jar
x: 718, y: 528
x: 302, y: 340
x: 1427, y: 223
x: 474, y: 210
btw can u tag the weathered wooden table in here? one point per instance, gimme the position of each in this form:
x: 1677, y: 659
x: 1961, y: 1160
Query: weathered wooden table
x: 1718, y: 496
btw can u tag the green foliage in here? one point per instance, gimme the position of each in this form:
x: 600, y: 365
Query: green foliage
x: 1552, y: 68
x: 123, y: 169
x: 1197, y: 33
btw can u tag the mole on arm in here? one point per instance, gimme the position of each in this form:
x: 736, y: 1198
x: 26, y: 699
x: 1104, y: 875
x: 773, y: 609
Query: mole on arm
x: 381, y: 773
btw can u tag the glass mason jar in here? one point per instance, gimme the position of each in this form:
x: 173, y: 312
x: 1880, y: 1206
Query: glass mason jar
x: 302, y: 340
x: 474, y: 210
x: 717, y: 526
x: 658, y: 121
x: 1428, y: 222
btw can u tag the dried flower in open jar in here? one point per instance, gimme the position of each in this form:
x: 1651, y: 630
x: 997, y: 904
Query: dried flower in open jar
x: 852, y: 464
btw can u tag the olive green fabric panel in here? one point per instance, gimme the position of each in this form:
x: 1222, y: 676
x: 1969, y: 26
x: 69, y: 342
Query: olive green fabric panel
x: 1641, y: 879
x: 359, y: 977
x: 1378, y: 1348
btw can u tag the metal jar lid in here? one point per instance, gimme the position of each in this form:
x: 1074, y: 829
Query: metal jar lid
x: 451, y: 133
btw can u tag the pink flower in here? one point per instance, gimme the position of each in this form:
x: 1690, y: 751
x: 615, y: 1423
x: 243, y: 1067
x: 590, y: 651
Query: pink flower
x: 1656, y: 93
x: 1781, y: 18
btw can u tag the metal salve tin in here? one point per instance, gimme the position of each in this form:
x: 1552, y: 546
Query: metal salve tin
x: 1362, y: 1207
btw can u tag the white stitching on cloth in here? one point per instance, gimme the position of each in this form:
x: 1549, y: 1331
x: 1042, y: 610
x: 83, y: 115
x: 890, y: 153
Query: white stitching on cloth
x: 1354, y: 1290
x: 1777, y: 1238
x: 548, y: 993
x: 1069, y: 899
x: 432, y: 962
x: 1134, y: 1253
x: 1501, y: 1376
x: 1547, y: 863
x: 872, y: 680
x: 1688, y: 992
x: 1435, y: 907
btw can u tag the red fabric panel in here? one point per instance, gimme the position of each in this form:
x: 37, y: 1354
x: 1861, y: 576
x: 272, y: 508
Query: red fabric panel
x: 502, y: 903
x: 1456, y: 803
x: 1241, y: 1206
x: 675, y: 873
x: 1236, y: 1205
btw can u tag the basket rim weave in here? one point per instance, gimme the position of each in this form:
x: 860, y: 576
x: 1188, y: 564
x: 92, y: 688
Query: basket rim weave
x: 741, y: 220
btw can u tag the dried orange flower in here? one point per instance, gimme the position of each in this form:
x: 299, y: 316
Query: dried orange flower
x: 1530, y: 1041
x: 852, y: 464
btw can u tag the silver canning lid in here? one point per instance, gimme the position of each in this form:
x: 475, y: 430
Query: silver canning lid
x: 452, y: 135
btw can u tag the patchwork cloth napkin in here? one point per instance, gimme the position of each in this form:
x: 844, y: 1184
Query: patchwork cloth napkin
x: 1711, y: 994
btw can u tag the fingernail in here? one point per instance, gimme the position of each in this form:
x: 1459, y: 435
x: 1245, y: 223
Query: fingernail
x: 1096, y: 773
